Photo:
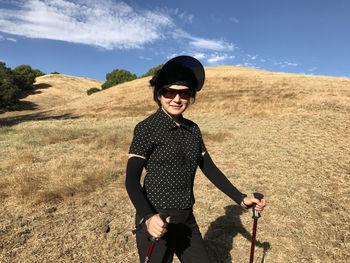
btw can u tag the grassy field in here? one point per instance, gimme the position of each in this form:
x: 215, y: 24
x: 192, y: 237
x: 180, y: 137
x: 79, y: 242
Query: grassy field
x: 63, y: 157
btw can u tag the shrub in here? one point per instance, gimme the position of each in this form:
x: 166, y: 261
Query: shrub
x: 92, y: 90
x: 152, y: 71
x: 117, y: 77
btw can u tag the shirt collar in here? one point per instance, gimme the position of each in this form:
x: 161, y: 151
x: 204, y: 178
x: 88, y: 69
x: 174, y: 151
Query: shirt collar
x: 168, y: 123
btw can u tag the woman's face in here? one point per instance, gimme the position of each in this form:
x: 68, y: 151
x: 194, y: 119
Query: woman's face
x: 175, y: 99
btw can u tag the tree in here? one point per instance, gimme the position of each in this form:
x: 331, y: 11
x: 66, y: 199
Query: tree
x: 38, y: 73
x: 14, y: 82
x: 116, y: 77
x: 26, y: 76
x: 10, y: 90
x: 152, y: 71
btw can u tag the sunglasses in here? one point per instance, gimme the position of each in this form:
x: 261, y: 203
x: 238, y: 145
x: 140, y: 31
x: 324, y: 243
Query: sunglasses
x: 170, y: 93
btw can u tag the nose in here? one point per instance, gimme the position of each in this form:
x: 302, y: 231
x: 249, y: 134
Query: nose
x: 177, y: 98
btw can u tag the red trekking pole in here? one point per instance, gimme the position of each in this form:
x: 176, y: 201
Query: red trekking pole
x: 150, y: 249
x: 153, y: 242
x: 256, y: 216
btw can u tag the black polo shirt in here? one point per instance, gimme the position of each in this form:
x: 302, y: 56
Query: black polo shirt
x: 173, y: 153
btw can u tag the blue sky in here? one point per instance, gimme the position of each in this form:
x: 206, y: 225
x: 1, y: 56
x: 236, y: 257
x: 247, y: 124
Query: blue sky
x: 92, y: 37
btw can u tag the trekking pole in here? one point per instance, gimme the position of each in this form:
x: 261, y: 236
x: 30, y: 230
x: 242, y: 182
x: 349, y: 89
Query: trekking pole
x: 150, y: 249
x: 153, y: 242
x: 256, y: 216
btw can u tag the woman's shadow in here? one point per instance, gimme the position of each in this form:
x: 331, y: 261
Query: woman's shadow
x: 219, y: 237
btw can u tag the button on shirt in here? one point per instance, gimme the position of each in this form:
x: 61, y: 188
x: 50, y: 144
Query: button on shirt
x: 172, y: 153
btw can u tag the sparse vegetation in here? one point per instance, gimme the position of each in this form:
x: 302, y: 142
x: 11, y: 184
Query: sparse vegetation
x: 62, y: 168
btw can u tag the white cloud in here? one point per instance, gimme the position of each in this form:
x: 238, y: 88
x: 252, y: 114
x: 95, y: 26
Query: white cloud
x: 2, y: 38
x: 312, y: 69
x: 107, y: 24
x: 104, y: 23
x: 234, y: 19
x: 217, y: 45
x: 284, y: 64
x: 199, y: 56
x: 145, y: 58
x: 252, y: 57
x: 184, y: 16
x: 202, y: 43
x: 216, y: 58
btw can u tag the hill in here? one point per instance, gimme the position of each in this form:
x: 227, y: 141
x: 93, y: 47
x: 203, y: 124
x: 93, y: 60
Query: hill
x: 233, y: 90
x: 63, y: 161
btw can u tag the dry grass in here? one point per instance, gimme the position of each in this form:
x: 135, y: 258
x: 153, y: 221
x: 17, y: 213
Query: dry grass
x: 62, y: 168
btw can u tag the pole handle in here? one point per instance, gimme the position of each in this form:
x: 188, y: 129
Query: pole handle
x: 163, y: 217
x: 256, y: 214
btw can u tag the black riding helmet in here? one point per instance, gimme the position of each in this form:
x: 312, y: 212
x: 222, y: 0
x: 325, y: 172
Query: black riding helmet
x: 181, y: 70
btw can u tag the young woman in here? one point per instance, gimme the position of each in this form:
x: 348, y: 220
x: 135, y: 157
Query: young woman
x: 171, y: 148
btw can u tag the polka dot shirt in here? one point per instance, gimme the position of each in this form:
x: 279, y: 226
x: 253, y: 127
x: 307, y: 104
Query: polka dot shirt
x: 173, y: 153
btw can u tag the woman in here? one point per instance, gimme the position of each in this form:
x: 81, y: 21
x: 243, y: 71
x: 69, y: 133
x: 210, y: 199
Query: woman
x: 171, y: 148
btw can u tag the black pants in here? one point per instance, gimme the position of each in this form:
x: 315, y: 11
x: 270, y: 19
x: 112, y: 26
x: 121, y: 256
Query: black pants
x: 182, y: 238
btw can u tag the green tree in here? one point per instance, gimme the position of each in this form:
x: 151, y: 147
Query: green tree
x: 116, y: 77
x: 25, y: 76
x: 14, y: 82
x: 10, y: 90
x: 38, y: 73
x: 152, y: 71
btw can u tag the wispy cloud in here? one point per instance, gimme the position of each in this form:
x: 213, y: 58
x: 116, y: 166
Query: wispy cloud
x: 2, y: 38
x: 284, y: 64
x: 217, y: 45
x: 216, y: 59
x: 234, y: 19
x: 312, y: 69
x: 184, y: 16
x: 199, y: 55
x: 202, y: 43
x: 104, y: 23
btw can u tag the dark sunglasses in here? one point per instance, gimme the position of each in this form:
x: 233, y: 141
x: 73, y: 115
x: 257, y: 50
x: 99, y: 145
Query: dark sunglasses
x: 170, y: 93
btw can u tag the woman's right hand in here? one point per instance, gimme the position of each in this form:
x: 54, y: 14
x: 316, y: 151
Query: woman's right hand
x: 156, y: 226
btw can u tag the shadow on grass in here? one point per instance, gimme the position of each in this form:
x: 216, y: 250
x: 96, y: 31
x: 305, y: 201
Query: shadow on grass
x: 219, y: 237
x: 23, y: 105
x: 10, y: 121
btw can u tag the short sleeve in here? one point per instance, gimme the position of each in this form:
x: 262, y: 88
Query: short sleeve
x: 141, y: 143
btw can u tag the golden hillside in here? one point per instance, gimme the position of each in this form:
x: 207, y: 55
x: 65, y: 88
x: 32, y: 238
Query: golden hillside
x: 63, y: 157
x: 231, y: 90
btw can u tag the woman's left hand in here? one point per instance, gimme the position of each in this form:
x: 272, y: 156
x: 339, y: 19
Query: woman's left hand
x: 250, y: 200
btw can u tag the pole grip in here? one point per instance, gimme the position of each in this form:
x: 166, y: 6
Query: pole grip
x: 256, y: 214
x: 163, y: 217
